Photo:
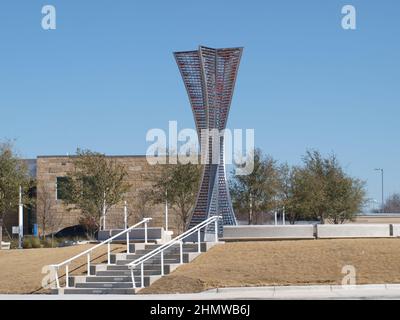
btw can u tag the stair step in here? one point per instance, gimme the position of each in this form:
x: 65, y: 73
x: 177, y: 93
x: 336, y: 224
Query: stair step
x: 112, y: 273
x: 123, y: 279
x: 155, y: 267
x: 99, y: 291
x: 149, y: 246
x: 170, y: 258
x: 105, y: 285
x: 166, y: 254
x: 122, y: 267
x: 154, y: 261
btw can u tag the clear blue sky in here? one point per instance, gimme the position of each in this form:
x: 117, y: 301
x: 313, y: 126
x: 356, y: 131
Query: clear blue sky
x: 107, y: 75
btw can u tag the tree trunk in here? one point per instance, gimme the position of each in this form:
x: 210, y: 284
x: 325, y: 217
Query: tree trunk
x: 1, y: 230
x: 183, y: 219
x: 44, y: 231
x: 251, y: 210
x: 4, y: 227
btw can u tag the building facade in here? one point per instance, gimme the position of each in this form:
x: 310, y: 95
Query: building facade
x: 50, y: 172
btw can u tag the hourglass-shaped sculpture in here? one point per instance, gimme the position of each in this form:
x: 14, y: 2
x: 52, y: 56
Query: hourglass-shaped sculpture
x: 209, y: 76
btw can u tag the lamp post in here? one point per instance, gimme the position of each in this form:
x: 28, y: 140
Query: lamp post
x: 381, y: 170
x: 125, y: 215
x: 20, y: 219
x: 166, y: 210
x: 104, y: 210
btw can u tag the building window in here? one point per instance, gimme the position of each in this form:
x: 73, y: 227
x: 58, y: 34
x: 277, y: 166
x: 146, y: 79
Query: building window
x: 63, y: 187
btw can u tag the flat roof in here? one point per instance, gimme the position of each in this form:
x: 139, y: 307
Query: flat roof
x: 109, y: 156
x: 379, y: 215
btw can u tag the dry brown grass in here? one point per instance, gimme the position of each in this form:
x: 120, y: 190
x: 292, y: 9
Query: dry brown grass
x: 21, y: 270
x: 233, y: 264
x: 286, y: 263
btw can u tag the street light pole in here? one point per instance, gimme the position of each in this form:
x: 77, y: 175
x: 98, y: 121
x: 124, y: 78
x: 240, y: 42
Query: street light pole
x: 20, y: 219
x: 104, y: 210
x: 125, y: 215
x: 166, y: 210
x: 381, y: 170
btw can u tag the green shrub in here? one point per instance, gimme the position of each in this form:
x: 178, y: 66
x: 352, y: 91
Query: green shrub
x: 27, y: 243
x: 14, y: 243
x: 35, y: 242
x: 47, y: 243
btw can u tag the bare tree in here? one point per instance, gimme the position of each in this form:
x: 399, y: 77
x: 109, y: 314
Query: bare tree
x: 48, y: 220
x: 178, y: 183
x: 392, y: 204
x: 256, y: 193
x: 140, y: 206
x: 13, y: 175
x: 1, y: 231
x: 95, y: 185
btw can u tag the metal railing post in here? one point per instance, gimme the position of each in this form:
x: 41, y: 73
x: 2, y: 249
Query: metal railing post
x: 145, y: 232
x: 67, y: 276
x: 216, y: 230
x: 162, y: 263
x: 181, y: 251
x: 133, y: 279
x: 127, y: 242
x: 198, y: 241
x: 88, y: 264
x: 141, y: 276
x: 57, y: 280
x: 109, y: 253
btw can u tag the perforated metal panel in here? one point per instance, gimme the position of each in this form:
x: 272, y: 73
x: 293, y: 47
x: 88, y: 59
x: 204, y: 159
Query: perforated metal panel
x: 209, y: 76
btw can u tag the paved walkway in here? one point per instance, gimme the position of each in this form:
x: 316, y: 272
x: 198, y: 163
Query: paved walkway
x: 378, y: 291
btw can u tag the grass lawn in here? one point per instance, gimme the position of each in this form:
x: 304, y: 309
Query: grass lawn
x: 21, y: 270
x: 294, y: 262
x: 297, y: 262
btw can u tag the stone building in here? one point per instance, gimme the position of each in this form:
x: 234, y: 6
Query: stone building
x: 50, y: 172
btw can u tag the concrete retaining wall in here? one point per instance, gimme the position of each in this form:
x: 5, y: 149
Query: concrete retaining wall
x: 136, y: 234
x: 260, y: 232
x: 396, y: 230
x: 268, y: 232
x: 353, y: 231
x: 320, y: 231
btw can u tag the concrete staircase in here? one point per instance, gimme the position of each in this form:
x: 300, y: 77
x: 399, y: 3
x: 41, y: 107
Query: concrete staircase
x: 115, y: 278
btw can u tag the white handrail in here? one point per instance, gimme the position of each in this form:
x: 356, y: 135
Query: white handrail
x: 160, y: 250
x: 88, y: 251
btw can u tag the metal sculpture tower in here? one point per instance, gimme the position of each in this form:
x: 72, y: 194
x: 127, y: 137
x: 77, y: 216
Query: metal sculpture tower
x: 209, y: 76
